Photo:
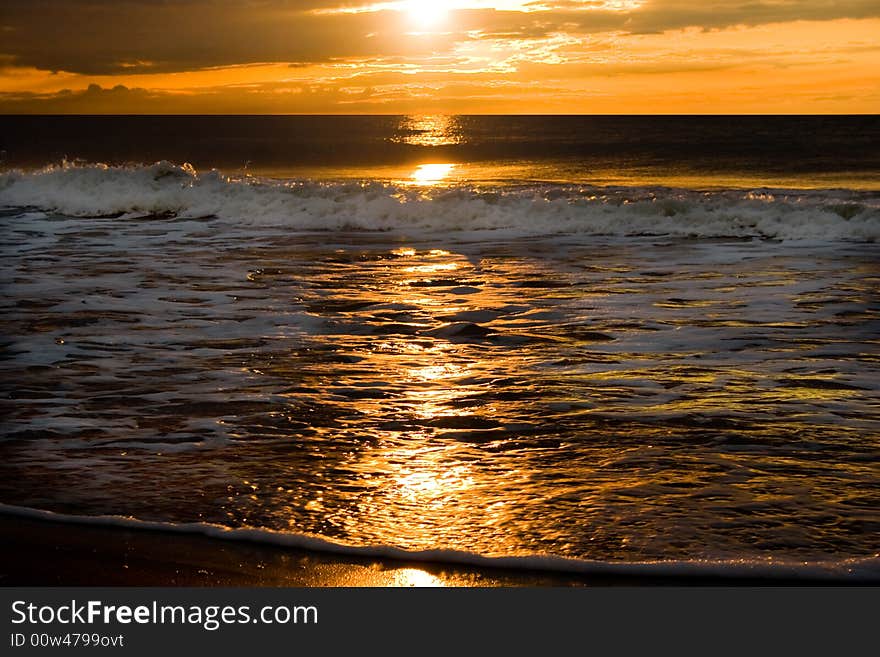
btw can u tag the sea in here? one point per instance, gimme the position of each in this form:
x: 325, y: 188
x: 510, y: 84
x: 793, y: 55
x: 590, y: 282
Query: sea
x: 577, y: 343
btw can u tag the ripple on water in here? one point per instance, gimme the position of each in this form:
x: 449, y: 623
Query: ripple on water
x: 633, y: 401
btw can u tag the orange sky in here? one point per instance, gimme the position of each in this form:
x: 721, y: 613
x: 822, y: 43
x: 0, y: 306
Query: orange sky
x: 430, y: 56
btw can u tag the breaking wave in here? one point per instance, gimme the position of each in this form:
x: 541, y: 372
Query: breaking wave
x: 179, y: 191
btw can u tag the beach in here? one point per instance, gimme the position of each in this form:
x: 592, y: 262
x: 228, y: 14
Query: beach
x: 41, y: 553
x: 57, y: 553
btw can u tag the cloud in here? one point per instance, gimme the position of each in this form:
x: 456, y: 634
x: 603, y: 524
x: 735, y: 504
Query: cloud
x: 100, y: 37
x: 275, y: 56
x: 95, y: 37
x: 93, y: 99
x: 638, y: 82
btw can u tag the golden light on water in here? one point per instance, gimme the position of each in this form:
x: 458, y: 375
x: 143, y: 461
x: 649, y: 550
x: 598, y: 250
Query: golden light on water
x: 429, y: 130
x: 422, y: 478
x: 434, y: 131
x: 432, y: 174
x: 432, y: 268
x: 434, y: 372
x: 414, y: 485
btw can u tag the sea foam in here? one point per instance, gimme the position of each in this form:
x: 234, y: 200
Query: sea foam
x: 522, y: 209
x: 862, y: 570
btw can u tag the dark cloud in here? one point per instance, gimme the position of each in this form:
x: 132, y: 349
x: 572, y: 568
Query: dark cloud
x: 662, y: 15
x: 264, y: 99
x: 94, y: 99
x: 656, y: 16
x: 96, y: 37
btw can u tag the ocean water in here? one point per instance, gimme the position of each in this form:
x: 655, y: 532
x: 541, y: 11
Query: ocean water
x: 588, y: 340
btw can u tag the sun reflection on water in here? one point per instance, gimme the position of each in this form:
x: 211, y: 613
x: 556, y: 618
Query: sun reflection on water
x: 433, y: 267
x: 406, y: 468
x: 427, y: 130
x: 430, y: 133
x: 432, y: 174
x: 423, y: 394
x: 484, y: 401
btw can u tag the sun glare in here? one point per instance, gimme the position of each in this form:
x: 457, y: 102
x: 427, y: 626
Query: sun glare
x: 431, y: 174
x: 426, y: 13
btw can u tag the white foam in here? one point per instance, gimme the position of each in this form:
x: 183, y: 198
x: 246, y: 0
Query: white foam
x: 165, y: 188
x: 857, y: 570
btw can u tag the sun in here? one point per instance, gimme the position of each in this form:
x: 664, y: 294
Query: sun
x: 426, y: 13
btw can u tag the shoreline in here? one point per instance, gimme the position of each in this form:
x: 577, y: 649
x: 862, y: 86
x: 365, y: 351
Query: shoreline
x: 41, y: 552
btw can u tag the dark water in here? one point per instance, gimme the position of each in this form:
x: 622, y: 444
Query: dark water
x: 604, y: 400
x: 503, y: 335
x: 825, y: 151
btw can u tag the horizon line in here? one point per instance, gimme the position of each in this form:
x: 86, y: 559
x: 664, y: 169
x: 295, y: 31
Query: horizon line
x: 487, y: 114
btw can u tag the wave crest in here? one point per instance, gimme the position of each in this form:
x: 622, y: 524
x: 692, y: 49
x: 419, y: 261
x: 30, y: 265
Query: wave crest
x: 168, y: 189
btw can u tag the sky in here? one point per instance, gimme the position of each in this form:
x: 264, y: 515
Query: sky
x: 431, y: 56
